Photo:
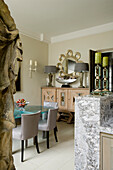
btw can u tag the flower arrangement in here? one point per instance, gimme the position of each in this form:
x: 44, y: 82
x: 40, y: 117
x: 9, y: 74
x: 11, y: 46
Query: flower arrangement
x: 21, y: 103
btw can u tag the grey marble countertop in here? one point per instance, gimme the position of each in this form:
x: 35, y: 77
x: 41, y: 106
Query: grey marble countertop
x: 93, y: 116
x: 95, y: 96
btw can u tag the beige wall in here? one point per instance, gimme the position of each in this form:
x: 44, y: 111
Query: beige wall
x: 36, y: 50
x: 82, y: 45
x: 31, y: 87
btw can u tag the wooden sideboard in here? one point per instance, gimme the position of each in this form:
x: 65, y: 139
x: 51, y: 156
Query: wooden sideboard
x: 65, y: 98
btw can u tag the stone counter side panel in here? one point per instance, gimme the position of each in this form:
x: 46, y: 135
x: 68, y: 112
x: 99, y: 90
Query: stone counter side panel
x: 92, y: 116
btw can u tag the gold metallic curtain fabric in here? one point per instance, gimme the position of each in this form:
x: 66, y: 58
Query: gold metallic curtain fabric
x: 10, y: 53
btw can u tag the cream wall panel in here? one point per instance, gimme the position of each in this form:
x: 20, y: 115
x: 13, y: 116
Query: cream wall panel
x: 82, y: 45
x: 31, y: 87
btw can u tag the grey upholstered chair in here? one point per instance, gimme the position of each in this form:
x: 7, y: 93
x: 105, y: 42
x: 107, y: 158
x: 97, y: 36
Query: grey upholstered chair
x: 49, y: 124
x: 49, y: 104
x: 27, y: 129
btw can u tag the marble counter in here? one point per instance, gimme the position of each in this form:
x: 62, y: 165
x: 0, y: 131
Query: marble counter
x: 93, y: 114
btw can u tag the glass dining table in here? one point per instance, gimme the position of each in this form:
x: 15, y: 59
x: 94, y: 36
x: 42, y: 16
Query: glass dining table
x: 29, y: 110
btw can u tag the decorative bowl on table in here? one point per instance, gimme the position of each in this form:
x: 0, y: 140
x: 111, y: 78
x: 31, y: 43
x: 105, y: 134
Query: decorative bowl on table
x: 21, y: 103
x: 65, y: 81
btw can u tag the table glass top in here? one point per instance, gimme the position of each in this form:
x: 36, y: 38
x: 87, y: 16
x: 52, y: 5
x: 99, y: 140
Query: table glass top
x: 30, y: 110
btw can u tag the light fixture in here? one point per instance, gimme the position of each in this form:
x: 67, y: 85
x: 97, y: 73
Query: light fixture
x: 81, y: 68
x: 50, y: 70
x: 32, y: 68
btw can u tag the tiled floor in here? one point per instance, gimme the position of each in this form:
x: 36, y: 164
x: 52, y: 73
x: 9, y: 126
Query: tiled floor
x: 60, y: 156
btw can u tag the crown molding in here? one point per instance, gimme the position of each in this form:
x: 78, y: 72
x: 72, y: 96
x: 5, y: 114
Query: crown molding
x: 82, y: 33
x: 69, y: 36
x: 46, y: 39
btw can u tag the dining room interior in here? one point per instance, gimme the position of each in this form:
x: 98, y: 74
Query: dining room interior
x: 67, y: 61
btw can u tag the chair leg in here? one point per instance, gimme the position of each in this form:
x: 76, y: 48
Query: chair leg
x: 47, y: 139
x: 36, y: 143
x: 22, y: 150
x: 55, y: 130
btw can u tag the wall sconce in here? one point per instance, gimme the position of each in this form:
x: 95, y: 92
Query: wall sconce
x: 32, y: 68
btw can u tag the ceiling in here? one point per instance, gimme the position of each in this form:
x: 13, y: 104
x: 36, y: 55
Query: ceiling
x: 53, y: 18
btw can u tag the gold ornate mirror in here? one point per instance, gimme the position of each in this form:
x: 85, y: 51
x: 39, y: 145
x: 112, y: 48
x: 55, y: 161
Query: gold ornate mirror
x: 66, y: 67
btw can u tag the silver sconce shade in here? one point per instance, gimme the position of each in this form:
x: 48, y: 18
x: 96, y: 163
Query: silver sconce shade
x: 50, y: 70
x: 81, y: 67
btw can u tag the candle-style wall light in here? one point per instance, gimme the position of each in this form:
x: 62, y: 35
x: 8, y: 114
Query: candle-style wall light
x: 32, y: 67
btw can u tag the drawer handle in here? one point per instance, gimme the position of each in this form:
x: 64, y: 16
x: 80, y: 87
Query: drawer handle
x: 79, y: 94
x: 73, y: 100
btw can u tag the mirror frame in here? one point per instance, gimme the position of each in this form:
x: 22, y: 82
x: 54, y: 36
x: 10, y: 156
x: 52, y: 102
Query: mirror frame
x: 62, y: 58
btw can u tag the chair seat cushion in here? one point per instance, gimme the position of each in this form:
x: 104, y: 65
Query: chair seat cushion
x: 42, y: 125
x: 16, y: 132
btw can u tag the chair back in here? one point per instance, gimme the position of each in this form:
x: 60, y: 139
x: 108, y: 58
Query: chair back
x: 51, y: 104
x: 51, y: 120
x: 29, y: 124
